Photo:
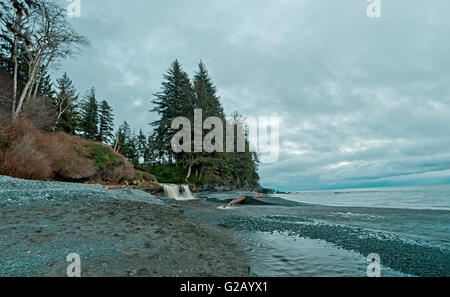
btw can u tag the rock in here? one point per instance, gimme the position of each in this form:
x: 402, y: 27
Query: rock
x: 267, y: 191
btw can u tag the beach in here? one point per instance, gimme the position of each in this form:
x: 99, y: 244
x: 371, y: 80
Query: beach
x: 127, y: 232
x: 116, y: 233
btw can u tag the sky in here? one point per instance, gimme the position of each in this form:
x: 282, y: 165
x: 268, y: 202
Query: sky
x: 362, y: 101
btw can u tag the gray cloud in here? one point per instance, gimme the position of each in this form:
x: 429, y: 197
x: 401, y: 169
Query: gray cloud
x: 363, y: 102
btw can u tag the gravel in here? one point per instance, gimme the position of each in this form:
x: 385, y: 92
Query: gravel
x: 407, y: 257
x: 14, y: 190
x: 116, y: 233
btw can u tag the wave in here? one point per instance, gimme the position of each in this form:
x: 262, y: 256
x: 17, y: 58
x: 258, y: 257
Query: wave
x: 437, y: 208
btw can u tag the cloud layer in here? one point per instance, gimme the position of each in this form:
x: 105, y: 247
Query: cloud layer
x: 363, y: 102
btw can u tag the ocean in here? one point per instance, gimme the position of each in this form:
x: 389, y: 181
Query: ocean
x: 423, y: 197
x: 332, y: 233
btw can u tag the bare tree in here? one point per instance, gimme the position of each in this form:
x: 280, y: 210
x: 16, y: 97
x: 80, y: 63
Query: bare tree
x: 14, y: 15
x: 47, y: 39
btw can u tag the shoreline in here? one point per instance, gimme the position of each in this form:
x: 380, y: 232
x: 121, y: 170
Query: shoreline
x: 114, y: 235
x: 128, y: 232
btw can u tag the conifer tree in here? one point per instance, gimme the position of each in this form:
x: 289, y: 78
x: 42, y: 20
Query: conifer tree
x: 106, y: 123
x: 142, y: 145
x: 89, y: 116
x: 206, y: 94
x: 128, y: 143
x: 66, y: 105
x: 124, y: 133
x: 175, y: 99
x: 178, y: 97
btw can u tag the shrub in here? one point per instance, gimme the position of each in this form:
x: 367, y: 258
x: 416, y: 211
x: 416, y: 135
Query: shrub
x: 144, y: 177
x: 27, y: 152
x: 169, y: 173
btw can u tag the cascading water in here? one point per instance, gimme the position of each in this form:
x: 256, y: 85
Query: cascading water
x: 178, y: 192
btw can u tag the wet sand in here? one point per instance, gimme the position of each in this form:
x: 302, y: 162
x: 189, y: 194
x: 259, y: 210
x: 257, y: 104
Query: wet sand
x: 410, y: 242
x: 114, y: 237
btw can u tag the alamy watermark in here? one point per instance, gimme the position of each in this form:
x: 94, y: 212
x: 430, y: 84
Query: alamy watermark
x: 74, y: 8
x: 262, y: 134
x: 374, y: 9
x: 74, y: 268
x: 374, y: 267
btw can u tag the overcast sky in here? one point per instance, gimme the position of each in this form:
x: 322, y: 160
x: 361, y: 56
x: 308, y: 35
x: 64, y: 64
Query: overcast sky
x: 362, y: 101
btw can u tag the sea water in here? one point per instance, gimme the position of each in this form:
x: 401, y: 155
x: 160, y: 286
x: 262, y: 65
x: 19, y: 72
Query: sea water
x: 409, y: 227
x: 416, y: 197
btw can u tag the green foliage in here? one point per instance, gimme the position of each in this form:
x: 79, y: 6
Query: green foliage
x: 89, y: 116
x: 106, y: 123
x: 128, y: 143
x: 66, y: 105
x: 175, y: 99
x: 103, y: 156
x: 179, y: 97
x: 144, y: 176
x: 169, y: 173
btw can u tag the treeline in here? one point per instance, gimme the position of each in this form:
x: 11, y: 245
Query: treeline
x: 179, y: 97
x: 35, y: 36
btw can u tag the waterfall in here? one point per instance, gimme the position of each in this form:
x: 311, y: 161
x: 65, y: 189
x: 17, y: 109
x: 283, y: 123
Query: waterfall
x: 186, y: 192
x: 178, y: 192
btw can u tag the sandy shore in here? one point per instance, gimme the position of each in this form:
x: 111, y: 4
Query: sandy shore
x: 114, y: 237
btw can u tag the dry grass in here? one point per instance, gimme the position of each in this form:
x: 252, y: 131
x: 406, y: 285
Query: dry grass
x: 30, y: 153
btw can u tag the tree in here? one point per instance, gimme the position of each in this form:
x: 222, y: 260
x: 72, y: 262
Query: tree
x: 175, y: 99
x: 128, y: 143
x: 142, y: 146
x: 206, y: 94
x: 45, y: 37
x: 89, y: 115
x: 45, y: 88
x: 66, y: 105
x: 180, y: 97
x: 14, y: 17
x: 106, y: 123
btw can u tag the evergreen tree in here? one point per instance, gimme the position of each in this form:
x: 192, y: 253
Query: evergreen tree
x: 106, y: 123
x: 142, y: 145
x: 124, y: 134
x: 151, y: 151
x: 133, y: 150
x: 206, y: 94
x: 128, y: 143
x: 175, y: 99
x: 66, y: 105
x: 46, y: 87
x: 178, y: 97
x: 89, y: 116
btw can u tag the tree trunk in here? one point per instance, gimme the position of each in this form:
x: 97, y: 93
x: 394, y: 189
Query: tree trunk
x: 201, y: 173
x: 24, y: 92
x: 115, y: 144
x: 189, y: 173
x: 40, y: 76
x: 15, y: 75
x: 36, y: 88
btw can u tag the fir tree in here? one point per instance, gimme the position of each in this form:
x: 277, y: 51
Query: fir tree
x: 128, y: 146
x: 106, y: 123
x: 46, y: 87
x: 178, y: 97
x: 66, y: 105
x: 142, y: 145
x: 206, y: 94
x: 175, y: 99
x: 89, y: 116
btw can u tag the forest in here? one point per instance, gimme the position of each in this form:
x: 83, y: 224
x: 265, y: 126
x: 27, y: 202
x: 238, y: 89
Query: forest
x: 35, y: 37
